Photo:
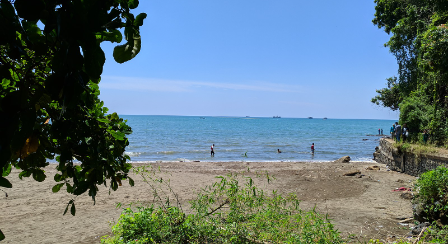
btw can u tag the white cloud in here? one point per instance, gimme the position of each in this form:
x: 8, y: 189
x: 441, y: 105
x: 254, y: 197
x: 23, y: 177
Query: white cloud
x: 161, y: 85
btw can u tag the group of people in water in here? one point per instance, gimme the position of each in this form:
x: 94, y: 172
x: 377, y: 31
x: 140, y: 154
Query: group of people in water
x: 212, y: 150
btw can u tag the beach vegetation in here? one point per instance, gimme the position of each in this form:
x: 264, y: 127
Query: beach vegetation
x: 431, y: 234
x: 432, y: 193
x: 419, y: 41
x: 51, y: 63
x: 234, y: 209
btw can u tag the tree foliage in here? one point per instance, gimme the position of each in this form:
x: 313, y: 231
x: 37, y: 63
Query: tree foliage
x: 419, y: 41
x: 50, y: 66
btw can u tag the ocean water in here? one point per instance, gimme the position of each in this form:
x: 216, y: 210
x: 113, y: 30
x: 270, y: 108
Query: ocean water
x: 189, y: 138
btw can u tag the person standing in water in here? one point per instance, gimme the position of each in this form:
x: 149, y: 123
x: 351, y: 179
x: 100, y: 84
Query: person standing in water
x: 212, y: 152
x: 312, y: 148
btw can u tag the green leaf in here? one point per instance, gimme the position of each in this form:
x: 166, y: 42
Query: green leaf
x: 131, y: 181
x: 81, y: 188
x: 73, y: 209
x: 7, y: 9
x: 5, y: 183
x: 39, y: 175
x: 68, y: 204
x: 114, y: 116
x: 139, y: 19
x: 94, y: 61
x: 128, y: 51
x: 117, y: 134
x: 32, y: 30
x: 29, y: 9
x: 57, y: 187
x: 113, y: 36
x: 2, y: 236
x: 6, y: 170
x: 133, y: 4
x: 69, y: 188
x: 57, y: 177
x: 24, y: 174
x: 114, y: 184
x: 106, y: 121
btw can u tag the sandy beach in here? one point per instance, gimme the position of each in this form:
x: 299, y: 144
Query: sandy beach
x: 362, y: 208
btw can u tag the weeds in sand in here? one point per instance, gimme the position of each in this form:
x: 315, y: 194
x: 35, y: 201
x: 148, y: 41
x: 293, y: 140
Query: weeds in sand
x: 432, y: 234
x: 232, y: 210
x: 418, y: 149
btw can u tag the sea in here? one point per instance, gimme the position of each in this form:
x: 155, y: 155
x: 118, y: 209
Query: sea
x: 189, y: 138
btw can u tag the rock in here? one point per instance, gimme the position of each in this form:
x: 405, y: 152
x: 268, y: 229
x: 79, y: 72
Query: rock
x: 376, y: 155
x: 400, y: 181
x: 345, y: 159
x: 419, y: 214
x: 407, y: 195
x: 417, y: 229
x: 352, y: 173
x: 374, y: 167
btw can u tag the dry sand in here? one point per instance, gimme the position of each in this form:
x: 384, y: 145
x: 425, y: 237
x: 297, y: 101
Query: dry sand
x: 365, y: 207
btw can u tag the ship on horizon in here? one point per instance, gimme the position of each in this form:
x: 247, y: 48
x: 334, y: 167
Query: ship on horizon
x: 276, y: 117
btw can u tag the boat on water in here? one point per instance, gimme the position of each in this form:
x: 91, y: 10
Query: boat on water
x: 276, y: 117
x: 325, y: 118
x: 310, y: 117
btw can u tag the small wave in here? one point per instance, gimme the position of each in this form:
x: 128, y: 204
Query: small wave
x: 166, y: 152
x: 361, y: 159
x: 133, y: 154
x: 183, y: 160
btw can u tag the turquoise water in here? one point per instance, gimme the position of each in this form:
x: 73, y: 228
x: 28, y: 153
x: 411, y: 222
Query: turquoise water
x: 174, y: 138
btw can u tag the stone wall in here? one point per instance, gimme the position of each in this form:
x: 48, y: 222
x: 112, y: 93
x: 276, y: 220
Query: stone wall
x: 405, y: 162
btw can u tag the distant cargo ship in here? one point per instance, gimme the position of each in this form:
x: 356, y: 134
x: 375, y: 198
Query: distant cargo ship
x: 276, y: 117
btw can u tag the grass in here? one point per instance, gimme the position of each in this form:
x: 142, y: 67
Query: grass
x: 416, y: 148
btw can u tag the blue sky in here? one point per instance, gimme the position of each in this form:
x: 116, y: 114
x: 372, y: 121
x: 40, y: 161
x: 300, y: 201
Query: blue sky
x: 257, y: 58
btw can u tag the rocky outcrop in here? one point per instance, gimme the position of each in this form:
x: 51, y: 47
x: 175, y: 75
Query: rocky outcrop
x: 406, y: 162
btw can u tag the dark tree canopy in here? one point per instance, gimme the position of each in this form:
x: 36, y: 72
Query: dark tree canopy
x: 50, y: 66
x: 419, y: 42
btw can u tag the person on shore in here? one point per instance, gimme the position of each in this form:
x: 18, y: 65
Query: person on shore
x: 405, y: 132
x: 212, y: 152
x: 381, y: 131
x: 312, y: 148
x: 392, y: 131
x: 425, y: 136
x: 278, y: 151
x: 397, y: 131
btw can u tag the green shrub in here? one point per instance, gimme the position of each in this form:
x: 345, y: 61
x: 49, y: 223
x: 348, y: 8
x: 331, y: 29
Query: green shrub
x: 432, y: 193
x: 226, y: 212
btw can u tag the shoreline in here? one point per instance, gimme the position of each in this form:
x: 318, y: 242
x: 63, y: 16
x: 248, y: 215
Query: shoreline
x: 248, y: 161
x: 357, y: 206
